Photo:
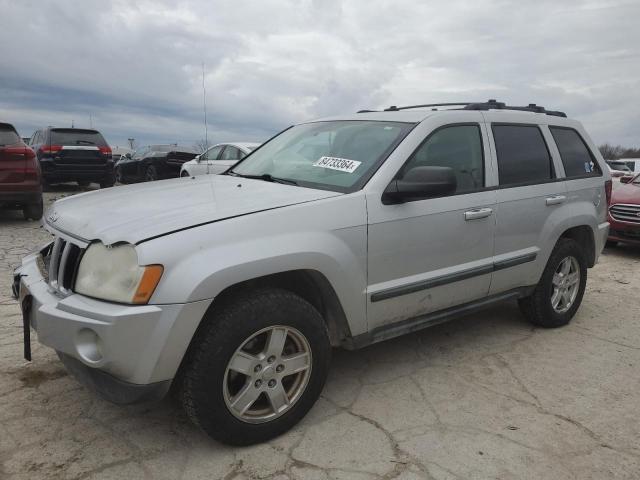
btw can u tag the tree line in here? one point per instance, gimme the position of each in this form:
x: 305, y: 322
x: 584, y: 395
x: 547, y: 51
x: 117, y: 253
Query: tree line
x: 614, y: 152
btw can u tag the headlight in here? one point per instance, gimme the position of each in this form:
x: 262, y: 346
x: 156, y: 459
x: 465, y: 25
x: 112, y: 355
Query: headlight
x: 113, y: 273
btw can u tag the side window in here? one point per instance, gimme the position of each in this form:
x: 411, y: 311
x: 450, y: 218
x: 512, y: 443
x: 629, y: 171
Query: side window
x: 576, y: 157
x: 458, y: 147
x: 212, y: 153
x: 231, y: 153
x: 522, y: 153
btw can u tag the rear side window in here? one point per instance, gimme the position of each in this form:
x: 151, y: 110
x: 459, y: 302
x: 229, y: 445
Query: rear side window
x: 576, y: 157
x: 231, y: 153
x: 8, y: 135
x: 523, y: 156
x: 458, y: 147
x: 76, y: 136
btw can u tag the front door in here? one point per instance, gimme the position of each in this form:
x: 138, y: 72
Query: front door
x: 431, y: 254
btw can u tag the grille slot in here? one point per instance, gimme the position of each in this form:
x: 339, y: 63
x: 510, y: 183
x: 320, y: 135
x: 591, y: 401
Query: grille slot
x: 63, y: 263
x: 625, y: 212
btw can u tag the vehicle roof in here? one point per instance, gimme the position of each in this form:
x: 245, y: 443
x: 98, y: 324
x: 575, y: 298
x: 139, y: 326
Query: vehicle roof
x: 244, y: 145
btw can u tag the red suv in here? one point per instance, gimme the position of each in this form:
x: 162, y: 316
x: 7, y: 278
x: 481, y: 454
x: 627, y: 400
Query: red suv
x: 624, y: 212
x: 20, y: 184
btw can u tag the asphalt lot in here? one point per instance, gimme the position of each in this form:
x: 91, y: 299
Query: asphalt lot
x: 485, y: 396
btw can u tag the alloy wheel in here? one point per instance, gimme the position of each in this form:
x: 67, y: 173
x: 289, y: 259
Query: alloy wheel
x: 267, y: 374
x: 566, y: 283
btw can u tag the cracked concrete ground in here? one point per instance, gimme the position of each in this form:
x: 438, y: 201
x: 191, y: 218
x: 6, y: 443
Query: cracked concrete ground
x: 486, y: 396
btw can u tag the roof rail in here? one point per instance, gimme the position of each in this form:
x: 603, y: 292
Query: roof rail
x: 495, y: 105
x: 491, y: 104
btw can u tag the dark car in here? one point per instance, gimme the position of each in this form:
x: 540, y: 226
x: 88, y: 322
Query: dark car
x: 20, y: 185
x: 624, y: 212
x: 153, y: 162
x: 73, y: 155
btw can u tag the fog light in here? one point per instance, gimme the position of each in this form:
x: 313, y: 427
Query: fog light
x: 89, y: 346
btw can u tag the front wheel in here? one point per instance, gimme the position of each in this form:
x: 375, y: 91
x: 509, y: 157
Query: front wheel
x: 559, y: 293
x: 256, y: 366
x: 151, y: 174
x: 185, y: 174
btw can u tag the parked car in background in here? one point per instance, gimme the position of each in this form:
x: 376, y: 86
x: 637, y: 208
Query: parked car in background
x: 624, y: 212
x: 217, y: 159
x: 618, y: 168
x: 20, y: 182
x: 118, y: 152
x: 153, y: 162
x: 344, y: 231
x: 73, y: 155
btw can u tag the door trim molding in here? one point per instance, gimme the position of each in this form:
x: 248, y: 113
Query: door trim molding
x: 451, y: 277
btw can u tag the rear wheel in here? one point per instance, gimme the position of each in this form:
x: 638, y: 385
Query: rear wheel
x: 256, y: 367
x: 559, y: 293
x: 185, y: 174
x: 33, y: 211
x: 150, y: 174
x: 119, y: 176
x: 109, y: 181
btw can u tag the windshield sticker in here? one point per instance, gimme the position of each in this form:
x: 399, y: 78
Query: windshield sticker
x: 340, y: 164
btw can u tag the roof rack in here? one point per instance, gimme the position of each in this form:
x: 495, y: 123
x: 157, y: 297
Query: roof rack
x: 491, y: 104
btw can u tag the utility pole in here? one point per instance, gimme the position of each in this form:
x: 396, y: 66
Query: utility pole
x: 204, y: 108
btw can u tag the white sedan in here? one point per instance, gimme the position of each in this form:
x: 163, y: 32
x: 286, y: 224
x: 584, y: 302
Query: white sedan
x: 217, y: 159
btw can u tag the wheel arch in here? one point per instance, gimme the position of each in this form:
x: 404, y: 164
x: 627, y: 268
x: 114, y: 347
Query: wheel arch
x: 584, y: 236
x: 311, y: 285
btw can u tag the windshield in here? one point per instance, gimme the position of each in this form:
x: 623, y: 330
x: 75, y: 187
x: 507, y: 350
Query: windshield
x: 338, y: 155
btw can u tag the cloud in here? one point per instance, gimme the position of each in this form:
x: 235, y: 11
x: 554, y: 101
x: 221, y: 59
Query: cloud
x: 136, y: 66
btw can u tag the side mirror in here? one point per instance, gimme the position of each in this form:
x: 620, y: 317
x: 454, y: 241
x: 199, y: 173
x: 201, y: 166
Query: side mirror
x: 626, y: 179
x: 420, y: 183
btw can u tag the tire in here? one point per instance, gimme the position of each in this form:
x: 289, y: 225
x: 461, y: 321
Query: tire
x: 150, y: 174
x: 611, y: 243
x: 32, y: 211
x: 119, y: 176
x: 185, y: 174
x: 84, y: 183
x: 538, y: 308
x: 209, y: 387
x: 110, y: 181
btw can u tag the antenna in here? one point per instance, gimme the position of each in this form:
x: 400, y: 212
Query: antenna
x: 204, y: 109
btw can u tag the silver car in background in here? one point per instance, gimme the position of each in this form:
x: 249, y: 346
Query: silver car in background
x: 217, y: 159
x: 340, y: 232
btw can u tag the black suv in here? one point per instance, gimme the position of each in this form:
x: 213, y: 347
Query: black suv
x: 73, y: 155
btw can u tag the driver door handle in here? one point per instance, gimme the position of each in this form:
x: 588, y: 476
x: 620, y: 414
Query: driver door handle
x: 477, y: 213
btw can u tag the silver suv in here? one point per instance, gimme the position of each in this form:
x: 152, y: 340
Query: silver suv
x: 344, y: 231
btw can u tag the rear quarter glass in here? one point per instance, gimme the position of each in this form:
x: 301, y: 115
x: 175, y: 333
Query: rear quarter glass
x: 76, y: 136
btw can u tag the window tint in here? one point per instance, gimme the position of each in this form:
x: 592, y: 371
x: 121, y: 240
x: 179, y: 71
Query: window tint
x: 212, y: 153
x: 575, y: 155
x: 458, y: 147
x: 522, y: 154
x: 231, y: 153
x: 76, y: 136
x: 8, y: 135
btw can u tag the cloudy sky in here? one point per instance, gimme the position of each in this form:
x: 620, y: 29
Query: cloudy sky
x: 135, y: 67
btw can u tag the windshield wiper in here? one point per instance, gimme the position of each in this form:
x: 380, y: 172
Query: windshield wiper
x: 267, y: 177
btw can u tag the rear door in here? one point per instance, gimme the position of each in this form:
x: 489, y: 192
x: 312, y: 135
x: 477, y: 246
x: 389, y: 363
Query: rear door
x: 529, y: 191
x: 12, y: 156
x: 228, y: 158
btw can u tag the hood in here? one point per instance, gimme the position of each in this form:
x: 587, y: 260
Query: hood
x: 626, y: 193
x: 138, y: 212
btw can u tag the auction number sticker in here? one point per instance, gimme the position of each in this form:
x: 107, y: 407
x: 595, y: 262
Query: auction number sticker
x: 340, y: 164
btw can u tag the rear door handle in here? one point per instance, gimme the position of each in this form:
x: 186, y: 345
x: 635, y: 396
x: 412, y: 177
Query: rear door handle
x: 477, y: 213
x: 555, y: 200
